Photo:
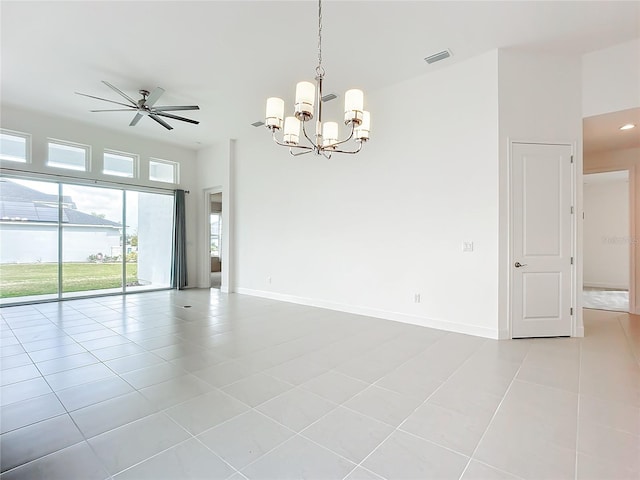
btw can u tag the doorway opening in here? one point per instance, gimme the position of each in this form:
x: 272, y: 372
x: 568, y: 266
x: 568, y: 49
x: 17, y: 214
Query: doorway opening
x: 611, y: 149
x: 607, y: 239
x: 215, y: 239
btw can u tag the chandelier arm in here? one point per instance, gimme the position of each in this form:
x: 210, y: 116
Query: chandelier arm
x: 308, y: 150
x: 282, y: 144
x: 349, y: 152
x: 315, y: 146
x: 353, y: 129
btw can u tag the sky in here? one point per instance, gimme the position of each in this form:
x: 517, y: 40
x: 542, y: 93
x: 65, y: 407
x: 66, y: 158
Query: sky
x: 99, y: 200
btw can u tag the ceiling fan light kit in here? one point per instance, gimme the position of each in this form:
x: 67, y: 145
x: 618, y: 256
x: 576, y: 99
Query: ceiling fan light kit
x: 326, y: 141
x: 145, y: 106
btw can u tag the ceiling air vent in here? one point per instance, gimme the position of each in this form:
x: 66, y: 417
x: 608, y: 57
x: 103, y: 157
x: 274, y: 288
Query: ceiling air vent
x: 257, y: 124
x: 436, y: 57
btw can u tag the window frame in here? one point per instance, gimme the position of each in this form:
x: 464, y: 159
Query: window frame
x: 176, y: 170
x: 66, y: 143
x: 26, y: 137
x: 135, y: 170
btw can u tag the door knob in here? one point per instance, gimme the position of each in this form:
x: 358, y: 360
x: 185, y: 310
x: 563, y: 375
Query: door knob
x: 518, y: 265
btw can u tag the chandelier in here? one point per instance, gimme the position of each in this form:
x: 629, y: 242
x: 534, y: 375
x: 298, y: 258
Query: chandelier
x: 308, y: 105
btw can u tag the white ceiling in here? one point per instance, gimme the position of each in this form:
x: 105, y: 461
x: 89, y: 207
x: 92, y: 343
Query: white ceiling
x: 228, y: 57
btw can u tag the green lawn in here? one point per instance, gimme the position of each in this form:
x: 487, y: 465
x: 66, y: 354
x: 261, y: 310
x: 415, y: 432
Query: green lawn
x: 21, y: 280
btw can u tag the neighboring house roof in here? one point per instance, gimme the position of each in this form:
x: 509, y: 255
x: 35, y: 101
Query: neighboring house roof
x: 18, y: 202
x: 19, y: 193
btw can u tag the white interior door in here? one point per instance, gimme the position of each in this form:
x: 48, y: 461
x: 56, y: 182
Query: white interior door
x: 541, y: 219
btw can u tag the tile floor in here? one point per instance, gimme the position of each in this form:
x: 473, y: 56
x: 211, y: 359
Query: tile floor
x: 144, y: 387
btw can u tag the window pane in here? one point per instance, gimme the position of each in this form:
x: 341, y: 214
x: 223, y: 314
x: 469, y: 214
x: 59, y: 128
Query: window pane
x: 13, y: 147
x: 215, y: 234
x: 28, y: 240
x: 119, y: 165
x: 68, y: 156
x: 91, y: 240
x: 162, y: 171
x: 149, y: 239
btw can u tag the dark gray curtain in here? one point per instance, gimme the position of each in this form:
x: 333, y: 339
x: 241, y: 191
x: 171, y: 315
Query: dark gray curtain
x: 179, y: 254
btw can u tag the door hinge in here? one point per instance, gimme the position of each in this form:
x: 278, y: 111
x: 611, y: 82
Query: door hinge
x: 571, y: 158
x: 572, y: 210
x: 571, y: 260
x: 571, y: 311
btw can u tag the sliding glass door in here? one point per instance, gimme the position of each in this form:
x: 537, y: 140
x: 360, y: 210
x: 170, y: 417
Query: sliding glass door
x: 29, y: 265
x: 149, y: 239
x: 91, y: 240
x: 65, y: 240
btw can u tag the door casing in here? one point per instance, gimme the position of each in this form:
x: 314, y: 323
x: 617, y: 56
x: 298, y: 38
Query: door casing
x: 576, y: 267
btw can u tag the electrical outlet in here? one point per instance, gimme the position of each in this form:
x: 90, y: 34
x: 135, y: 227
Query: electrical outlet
x: 416, y: 298
x: 467, y: 246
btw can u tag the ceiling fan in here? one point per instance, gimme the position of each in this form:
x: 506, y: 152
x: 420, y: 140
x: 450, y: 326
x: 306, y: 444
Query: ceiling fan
x: 145, y: 106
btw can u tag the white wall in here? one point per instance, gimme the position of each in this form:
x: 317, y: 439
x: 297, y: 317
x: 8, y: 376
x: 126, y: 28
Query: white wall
x: 611, y: 79
x: 540, y: 101
x: 606, y: 231
x: 365, y: 233
x: 215, y: 174
x: 42, y: 126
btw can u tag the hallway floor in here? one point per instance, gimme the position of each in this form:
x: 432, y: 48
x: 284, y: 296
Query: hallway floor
x: 215, y: 280
x: 601, y: 299
x: 197, y: 384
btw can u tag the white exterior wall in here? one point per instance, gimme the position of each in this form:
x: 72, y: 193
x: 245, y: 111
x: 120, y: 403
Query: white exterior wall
x: 42, y: 247
x: 43, y: 243
x: 155, y: 227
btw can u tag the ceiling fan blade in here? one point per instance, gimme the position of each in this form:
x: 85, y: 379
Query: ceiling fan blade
x: 117, y: 90
x: 136, y: 119
x: 175, y: 117
x: 154, y: 96
x: 115, y: 110
x: 103, y: 99
x: 169, y: 108
x: 161, y: 122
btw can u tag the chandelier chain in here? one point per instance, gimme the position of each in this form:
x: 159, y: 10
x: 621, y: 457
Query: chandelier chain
x: 319, y: 69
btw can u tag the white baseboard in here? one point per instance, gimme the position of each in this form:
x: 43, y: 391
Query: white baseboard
x: 371, y: 312
x: 504, y: 334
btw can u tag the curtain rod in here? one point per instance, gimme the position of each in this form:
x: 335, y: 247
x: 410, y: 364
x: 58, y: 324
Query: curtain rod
x: 88, y: 180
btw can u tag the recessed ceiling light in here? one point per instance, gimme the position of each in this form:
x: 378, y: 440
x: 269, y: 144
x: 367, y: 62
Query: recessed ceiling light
x: 628, y: 126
